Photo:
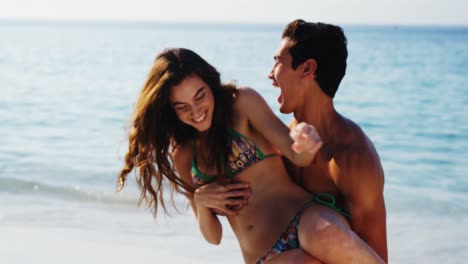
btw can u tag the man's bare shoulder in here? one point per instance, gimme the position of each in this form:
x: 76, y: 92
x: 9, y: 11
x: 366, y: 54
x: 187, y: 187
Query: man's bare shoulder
x: 358, y: 160
x: 354, y: 143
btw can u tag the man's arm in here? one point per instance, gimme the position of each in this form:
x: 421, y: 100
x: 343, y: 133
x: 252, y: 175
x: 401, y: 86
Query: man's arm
x: 361, y: 182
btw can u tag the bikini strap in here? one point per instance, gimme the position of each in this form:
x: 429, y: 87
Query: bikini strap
x: 330, y: 203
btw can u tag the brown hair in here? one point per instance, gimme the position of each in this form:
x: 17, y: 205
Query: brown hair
x: 156, y: 130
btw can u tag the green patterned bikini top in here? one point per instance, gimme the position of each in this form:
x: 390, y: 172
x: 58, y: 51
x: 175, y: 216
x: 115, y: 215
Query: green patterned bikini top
x: 244, y: 154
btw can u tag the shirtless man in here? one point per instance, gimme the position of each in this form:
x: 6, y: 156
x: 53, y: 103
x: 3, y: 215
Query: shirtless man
x: 309, y: 65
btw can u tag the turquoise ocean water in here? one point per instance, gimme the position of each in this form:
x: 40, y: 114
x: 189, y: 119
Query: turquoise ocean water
x: 67, y: 91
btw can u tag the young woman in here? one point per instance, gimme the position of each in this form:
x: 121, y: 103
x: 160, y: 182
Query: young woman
x: 216, y: 143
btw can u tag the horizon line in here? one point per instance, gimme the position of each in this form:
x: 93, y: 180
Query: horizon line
x: 106, y: 21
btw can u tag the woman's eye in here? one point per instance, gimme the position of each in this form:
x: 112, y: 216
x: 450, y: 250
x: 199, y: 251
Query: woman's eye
x: 200, y: 97
x: 182, y: 108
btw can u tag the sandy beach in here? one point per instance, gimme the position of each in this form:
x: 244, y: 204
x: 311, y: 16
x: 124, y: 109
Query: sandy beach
x: 171, y: 242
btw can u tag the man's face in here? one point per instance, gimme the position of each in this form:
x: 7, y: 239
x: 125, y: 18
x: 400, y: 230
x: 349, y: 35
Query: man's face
x: 286, y: 78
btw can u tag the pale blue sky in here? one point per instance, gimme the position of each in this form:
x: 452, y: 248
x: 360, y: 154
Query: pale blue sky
x: 435, y: 12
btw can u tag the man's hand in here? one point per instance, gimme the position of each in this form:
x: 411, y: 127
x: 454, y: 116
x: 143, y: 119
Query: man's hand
x: 306, y: 138
x: 226, y: 200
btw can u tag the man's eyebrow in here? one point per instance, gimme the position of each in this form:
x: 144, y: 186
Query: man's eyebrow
x: 196, y: 94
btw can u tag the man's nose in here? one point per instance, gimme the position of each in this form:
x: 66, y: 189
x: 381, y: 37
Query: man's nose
x: 270, y: 75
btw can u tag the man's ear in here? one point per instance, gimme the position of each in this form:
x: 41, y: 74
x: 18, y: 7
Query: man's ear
x: 309, y: 67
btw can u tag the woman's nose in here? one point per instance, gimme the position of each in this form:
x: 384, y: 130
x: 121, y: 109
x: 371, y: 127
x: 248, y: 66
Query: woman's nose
x: 195, y: 110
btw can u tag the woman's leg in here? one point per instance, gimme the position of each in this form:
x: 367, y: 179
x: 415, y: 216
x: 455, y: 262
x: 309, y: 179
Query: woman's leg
x: 326, y: 235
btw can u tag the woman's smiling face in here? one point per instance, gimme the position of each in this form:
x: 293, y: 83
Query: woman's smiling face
x: 193, y: 102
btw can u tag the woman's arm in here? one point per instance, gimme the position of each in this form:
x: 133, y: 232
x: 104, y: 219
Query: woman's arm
x: 223, y: 199
x: 299, y: 145
x: 208, y: 222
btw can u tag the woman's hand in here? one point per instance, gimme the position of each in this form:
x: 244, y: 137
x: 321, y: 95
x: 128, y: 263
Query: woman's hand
x: 227, y: 200
x: 306, y: 138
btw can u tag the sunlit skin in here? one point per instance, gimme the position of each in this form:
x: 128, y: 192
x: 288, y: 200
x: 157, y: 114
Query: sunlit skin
x: 286, y: 79
x: 273, y: 199
x: 347, y: 166
x: 192, y: 99
x: 193, y: 102
x: 176, y: 132
x: 260, y: 200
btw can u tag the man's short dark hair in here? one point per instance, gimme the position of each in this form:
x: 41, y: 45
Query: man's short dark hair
x: 326, y: 44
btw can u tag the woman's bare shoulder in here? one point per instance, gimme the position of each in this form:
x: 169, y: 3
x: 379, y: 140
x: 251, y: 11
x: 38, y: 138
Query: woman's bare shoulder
x: 247, y: 98
x: 182, y: 157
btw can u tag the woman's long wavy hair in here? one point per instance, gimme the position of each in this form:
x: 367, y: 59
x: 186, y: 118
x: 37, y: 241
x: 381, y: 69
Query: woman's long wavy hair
x: 156, y: 130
